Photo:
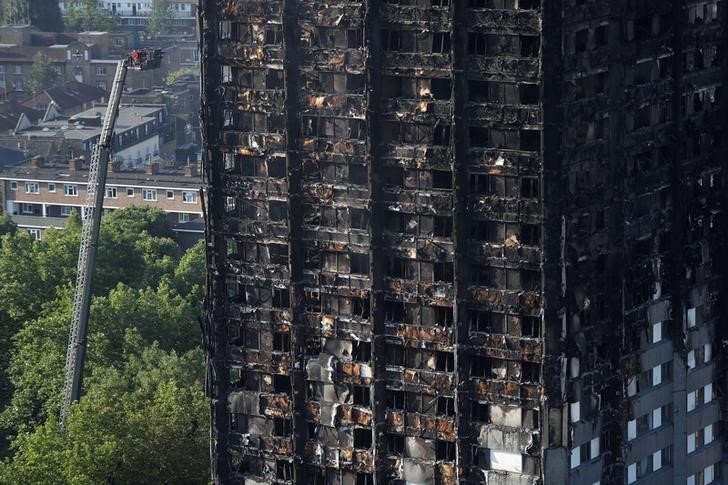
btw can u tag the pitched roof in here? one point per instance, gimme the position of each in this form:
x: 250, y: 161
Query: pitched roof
x: 72, y: 94
x: 68, y: 95
x: 10, y: 157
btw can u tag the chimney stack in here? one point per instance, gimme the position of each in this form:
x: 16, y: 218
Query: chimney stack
x: 191, y: 170
x: 36, y: 162
x: 114, y: 166
x: 151, y: 168
x: 75, y: 164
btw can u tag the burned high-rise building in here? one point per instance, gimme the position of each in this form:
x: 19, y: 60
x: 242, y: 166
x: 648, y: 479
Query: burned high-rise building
x: 466, y: 241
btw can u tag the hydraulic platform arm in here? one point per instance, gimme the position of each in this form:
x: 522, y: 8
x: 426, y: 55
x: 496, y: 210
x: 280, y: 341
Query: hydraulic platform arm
x: 91, y: 221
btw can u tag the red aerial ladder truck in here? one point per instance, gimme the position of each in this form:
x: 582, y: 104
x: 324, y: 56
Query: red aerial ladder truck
x: 139, y: 60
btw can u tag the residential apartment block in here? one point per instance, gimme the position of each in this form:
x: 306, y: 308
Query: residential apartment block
x: 135, y: 15
x: 470, y: 241
x: 40, y: 195
x: 139, y: 132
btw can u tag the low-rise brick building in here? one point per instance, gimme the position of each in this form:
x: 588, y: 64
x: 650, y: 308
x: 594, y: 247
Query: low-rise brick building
x: 38, y: 196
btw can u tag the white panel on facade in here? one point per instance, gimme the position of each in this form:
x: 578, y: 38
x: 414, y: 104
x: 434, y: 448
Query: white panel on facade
x: 656, y: 332
x: 657, y: 375
x: 632, y: 473
x: 574, y: 411
x: 656, y: 460
x: 656, y: 418
x: 631, y: 429
x: 594, y: 448
x: 506, y: 461
x: 691, y: 317
x: 575, y: 457
x: 691, y: 359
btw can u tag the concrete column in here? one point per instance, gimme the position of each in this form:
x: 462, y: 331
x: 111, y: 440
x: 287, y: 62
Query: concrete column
x: 45, y: 210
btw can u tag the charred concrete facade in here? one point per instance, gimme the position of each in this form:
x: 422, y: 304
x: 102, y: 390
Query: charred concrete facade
x: 474, y: 241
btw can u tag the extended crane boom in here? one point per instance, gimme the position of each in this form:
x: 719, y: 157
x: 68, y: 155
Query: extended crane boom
x: 91, y: 220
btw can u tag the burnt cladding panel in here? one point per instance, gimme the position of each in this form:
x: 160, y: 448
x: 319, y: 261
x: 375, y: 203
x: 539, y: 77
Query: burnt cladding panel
x: 334, y: 234
x: 245, y: 115
x: 373, y: 208
x: 414, y: 158
x: 499, y: 231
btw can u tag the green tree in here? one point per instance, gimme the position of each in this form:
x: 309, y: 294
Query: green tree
x: 144, y: 421
x: 42, y: 76
x: 7, y: 226
x: 15, y: 12
x: 189, y: 275
x: 136, y: 284
x: 82, y: 15
x: 160, y: 17
x: 36, y: 366
x: 46, y: 15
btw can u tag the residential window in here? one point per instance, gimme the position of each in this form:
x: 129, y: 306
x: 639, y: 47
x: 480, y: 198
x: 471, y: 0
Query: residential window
x: 183, y: 217
x: 66, y: 210
x: 14, y: 185
x: 111, y: 192
x: 35, y: 233
x: 170, y: 194
x: 584, y: 453
x: 31, y: 187
x: 189, y: 197
x: 70, y: 190
x: 18, y: 69
x: 130, y: 191
x: 26, y: 208
x: 149, y: 194
x: 51, y: 187
x: 19, y: 85
x: 2, y: 68
x: 100, y: 71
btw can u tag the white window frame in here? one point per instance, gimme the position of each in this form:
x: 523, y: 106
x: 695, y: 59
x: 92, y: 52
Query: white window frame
x: 656, y: 418
x: 70, y: 190
x: 168, y: 192
x: 186, y: 196
x: 130, y: 191
x: 183, y: 217
x: 111, y: 192
x: 32, y: 188
x: 631, y: 429
x: 575, y: 459
x: 691, y: 314
x: 66, y: 210
x: 26, y: 208
x: 35, y: 233
x: 656, y: 332
x: 51, y: 187
x: 150, y: 195
x: 13, y: 185
x: 594, y: 448
x: 656, y: 460
x: 691, y: 400
x: 632, y: 473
